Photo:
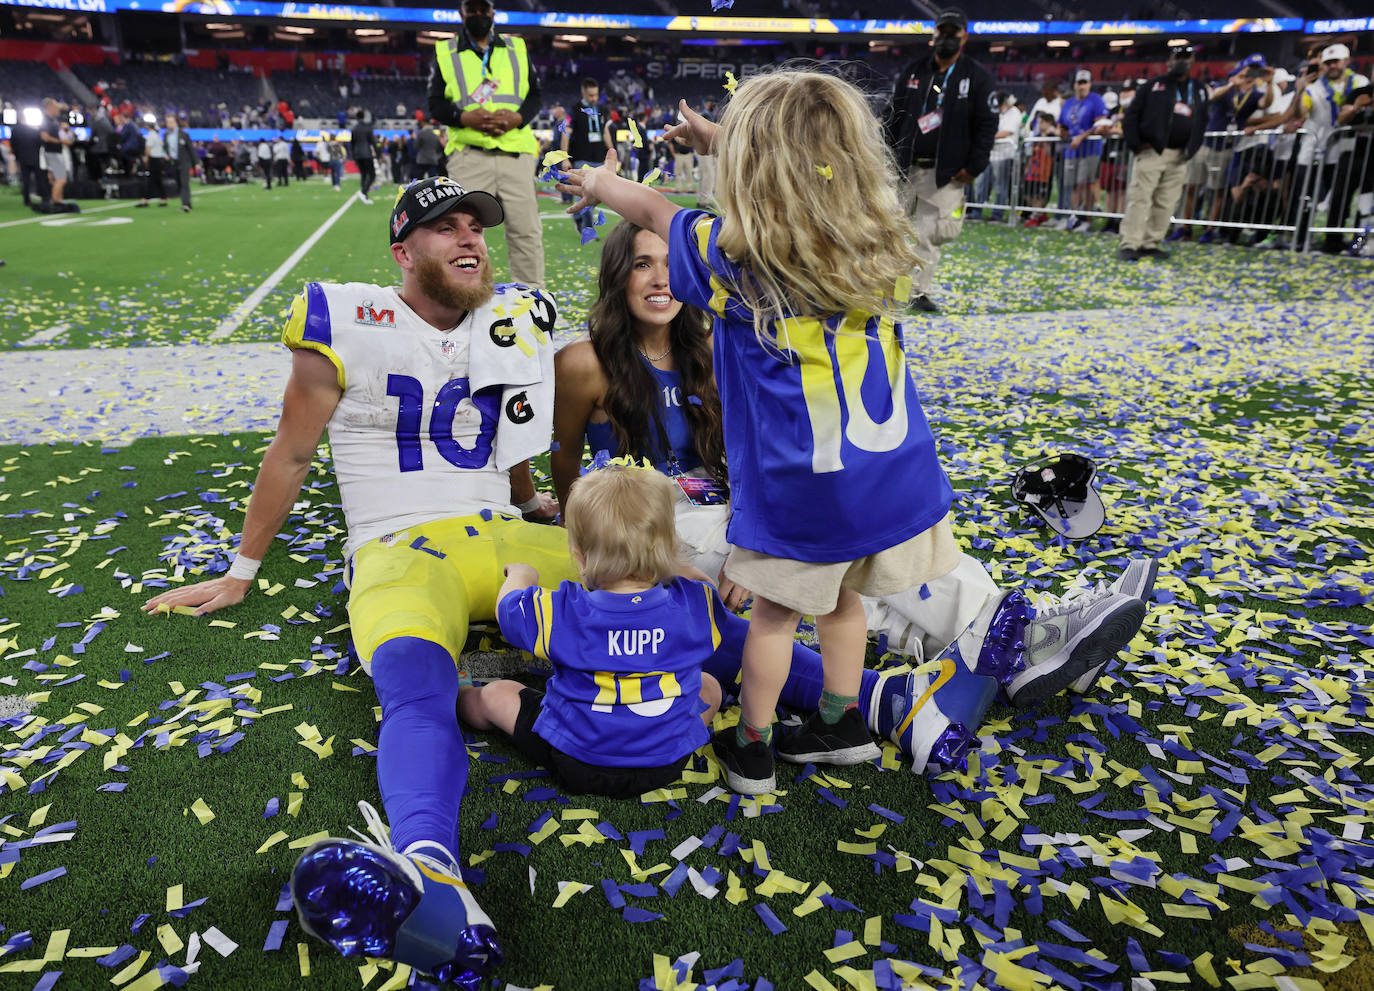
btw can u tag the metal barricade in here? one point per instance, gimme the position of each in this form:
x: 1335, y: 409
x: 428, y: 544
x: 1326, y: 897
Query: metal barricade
x: 1341, y: 191
x: 1239, y: 185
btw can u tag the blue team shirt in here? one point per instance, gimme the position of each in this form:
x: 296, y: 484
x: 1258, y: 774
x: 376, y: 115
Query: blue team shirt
x: 681, y: 454
x: 626, y: 683
x: 1078, y: 116
x: 830, y: 456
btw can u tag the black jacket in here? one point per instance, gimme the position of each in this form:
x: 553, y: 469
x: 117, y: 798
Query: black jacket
x: 1147, y: 119
x: 968, y: 124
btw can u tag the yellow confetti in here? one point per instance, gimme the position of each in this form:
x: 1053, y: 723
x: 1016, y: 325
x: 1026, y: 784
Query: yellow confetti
x: 202, y: 811
x: 568, y: 890
x: 824, y: 171
x: 555, y: 156
x: 730, y: 82
x: 635, y: 137
x: 305, y: 841
x: 272, y: 841
x: 174, y: 898
x: 169, y: 939
x: 303, y: 958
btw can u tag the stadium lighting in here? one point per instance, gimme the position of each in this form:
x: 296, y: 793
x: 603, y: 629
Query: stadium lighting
x: 1178, y: 41
x: 369, y: 32
x: 32, y: 116
x: 1056, y: 43
x: 9, y: 116
x: 221, y: 26
x: 997, y: 48
x: 296, y: 29
x: 150, y: 119
x: 1121, y: 43
x: 576, y: 39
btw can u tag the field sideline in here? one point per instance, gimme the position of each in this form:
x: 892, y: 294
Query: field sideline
x: 1199, y: 818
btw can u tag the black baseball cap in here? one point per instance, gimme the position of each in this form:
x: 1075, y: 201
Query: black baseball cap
x: 1061, y: 492
x: 428, y: 199
x: 952, y: 15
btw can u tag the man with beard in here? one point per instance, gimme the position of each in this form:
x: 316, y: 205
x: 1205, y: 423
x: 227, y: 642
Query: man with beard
x: 435, y: 395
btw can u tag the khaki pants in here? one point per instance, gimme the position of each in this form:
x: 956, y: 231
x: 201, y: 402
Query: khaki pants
x: 510, y: 178
x: 682, y: 172
x: 938, y: 215
x: 706, y: 179
x: 1156, y: 182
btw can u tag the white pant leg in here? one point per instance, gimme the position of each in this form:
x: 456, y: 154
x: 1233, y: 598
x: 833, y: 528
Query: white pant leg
x: 701, y: 530
x: 925, y: 626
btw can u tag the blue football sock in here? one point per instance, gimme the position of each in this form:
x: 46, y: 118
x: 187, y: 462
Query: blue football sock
x: 422, y: 764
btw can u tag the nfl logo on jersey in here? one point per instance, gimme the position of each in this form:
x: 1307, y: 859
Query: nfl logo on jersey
x: 447, y: 347
x: 399, y: 221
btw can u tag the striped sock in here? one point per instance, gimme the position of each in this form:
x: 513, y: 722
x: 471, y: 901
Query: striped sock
x: 746, y: 734
x: 833, y: 706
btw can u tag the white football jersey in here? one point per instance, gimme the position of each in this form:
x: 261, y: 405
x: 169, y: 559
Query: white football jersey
x: 411, y: 442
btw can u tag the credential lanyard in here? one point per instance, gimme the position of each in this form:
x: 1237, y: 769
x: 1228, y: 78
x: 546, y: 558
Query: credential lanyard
x: 944, y: 84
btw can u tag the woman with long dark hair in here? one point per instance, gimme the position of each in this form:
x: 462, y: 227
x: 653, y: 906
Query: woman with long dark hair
x: 641, y: 384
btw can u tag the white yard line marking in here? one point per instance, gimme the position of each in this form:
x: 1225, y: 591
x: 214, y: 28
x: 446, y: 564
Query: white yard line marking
x: 241, y: 312
x: 44, y: 336
x: 40, y: 218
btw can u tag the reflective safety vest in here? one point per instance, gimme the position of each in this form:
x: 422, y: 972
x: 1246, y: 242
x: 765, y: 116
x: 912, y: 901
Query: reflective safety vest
x: 508, y: 69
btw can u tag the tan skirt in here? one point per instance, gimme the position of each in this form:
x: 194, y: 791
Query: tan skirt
x: 813, y: 589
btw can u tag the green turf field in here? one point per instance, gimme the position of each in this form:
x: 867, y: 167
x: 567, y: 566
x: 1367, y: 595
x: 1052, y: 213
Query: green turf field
x: 1198, y: 819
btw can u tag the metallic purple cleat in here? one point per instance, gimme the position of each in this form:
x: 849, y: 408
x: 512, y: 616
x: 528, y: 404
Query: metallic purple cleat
x: 1002, y: 654
x: 367, y: 899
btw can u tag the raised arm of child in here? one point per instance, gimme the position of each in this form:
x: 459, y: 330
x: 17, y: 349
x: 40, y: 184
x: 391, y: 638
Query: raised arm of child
x: 635, y: 202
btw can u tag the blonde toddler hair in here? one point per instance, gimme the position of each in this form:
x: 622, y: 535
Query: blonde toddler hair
x: 621, y: 519
x: 807, y: 189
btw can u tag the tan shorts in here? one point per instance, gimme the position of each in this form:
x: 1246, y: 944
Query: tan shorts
x: 813, y: 589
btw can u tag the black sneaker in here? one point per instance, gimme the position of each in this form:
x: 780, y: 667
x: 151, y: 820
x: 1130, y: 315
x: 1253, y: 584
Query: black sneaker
x: 1128, y: 254
x: 818, y: 742
x: 1155, y: 252
x: 748, y: 769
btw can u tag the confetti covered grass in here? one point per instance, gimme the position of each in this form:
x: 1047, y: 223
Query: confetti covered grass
x: 1198, y: 819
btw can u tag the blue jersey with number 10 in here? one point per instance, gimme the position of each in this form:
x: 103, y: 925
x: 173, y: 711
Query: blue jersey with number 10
x: 830, y: 455
x: 626, y: 684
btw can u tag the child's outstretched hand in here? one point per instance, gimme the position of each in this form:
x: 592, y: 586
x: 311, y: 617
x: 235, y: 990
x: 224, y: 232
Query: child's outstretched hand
x: 582, y: 183
x: 694, y: 130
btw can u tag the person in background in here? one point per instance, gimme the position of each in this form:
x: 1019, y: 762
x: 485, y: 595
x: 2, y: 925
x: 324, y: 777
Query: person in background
x: 281, y: 159
x: 182, y: 158
x: 324, y: 157
x: 155, y: 161
x: 996, y: 179
x: 55, y: 143
x: 585, y: 140
x: 297, y: 159
x: 360, y: 146
x: 1115, y: 164
x: 1040, y: 167
x: 429, y: 151
x: 485, y: 88
x: 1163, y: 127
x: 940, y: 125
x: 130, y: 144
x: 265, y: 160
x: 1079, y: 124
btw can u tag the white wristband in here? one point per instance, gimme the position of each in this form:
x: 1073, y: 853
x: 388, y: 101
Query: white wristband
x: 244, y: 567
x: 529, y: 505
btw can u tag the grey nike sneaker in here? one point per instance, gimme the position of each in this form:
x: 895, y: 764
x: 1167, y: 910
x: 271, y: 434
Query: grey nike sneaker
x: 1138, y: 580
x: 1070, y: 639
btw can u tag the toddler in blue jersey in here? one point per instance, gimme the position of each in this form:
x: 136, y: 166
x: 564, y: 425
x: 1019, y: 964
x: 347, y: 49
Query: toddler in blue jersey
x: 836, y: 488
x: 627, y: 703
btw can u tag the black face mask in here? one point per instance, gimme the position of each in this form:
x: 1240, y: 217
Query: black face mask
x: 946, y: 45
x: 477, y: 25
x: 1179, y: 70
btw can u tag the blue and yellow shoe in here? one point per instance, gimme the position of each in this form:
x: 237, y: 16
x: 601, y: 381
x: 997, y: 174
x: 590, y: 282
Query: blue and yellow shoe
x: 366, y: 898
x: 933, y: 721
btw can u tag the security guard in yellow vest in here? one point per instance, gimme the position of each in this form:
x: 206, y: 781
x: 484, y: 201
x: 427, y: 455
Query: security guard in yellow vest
x: 484, y: 87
